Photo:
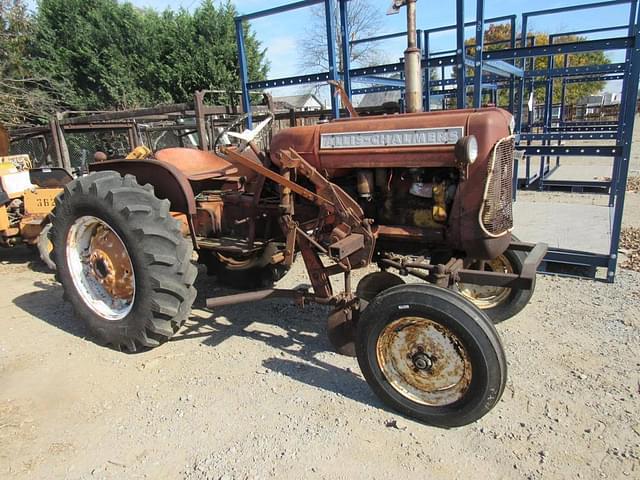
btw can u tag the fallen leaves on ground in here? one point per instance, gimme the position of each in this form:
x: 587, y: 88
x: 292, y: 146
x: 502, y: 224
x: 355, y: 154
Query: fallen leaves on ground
x: 630, y: 246
x: 633, y: 184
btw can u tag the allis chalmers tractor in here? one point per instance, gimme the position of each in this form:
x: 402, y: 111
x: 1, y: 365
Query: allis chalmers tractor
x: 426, y: 195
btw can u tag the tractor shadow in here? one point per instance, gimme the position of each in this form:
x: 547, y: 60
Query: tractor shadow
x: 23, y: 255
x: 47, y: 304
x: 299, y: 334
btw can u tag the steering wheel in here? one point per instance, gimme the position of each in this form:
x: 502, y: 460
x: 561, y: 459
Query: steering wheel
x: 246, y: 137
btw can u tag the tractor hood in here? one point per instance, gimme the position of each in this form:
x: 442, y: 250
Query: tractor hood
x: 404, y: 141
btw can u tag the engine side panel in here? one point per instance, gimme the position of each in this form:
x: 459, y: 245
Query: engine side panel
x: 400, y: 144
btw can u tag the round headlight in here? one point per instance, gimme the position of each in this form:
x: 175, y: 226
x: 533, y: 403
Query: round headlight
x: 467, y: 149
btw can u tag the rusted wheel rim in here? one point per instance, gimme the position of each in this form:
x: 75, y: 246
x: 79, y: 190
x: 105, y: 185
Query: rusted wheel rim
x: 100, y: 267
x: 424, y: 361
x: 485, y: 296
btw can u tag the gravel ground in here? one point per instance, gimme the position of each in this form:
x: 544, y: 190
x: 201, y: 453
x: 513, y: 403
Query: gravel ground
x: 253, y: 391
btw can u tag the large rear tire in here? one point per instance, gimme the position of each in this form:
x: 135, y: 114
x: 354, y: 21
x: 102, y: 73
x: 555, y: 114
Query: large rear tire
x: 122, y: 260
x: 431, y: 354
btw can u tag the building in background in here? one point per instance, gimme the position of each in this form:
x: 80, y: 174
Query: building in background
x: 307, y: 102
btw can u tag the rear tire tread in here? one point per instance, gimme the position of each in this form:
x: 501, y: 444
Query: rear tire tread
x: 164, y: 253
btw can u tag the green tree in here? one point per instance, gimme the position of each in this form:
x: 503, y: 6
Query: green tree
x: 107, y: 54
x: 24, y: 98
x: 497, y: 37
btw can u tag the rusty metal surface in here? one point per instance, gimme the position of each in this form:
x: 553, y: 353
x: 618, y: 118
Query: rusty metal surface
x: 346, y: 101
x: 317, y: 272
x: 341, y: 329
x: 196, y: 164
x: 346, y: 246
x: 262, y: 170
x: 253, y: 297
x: 408, y: 233
x: 452, y: 271
x: 168, y: 182
x: 348, y: 217
x: 424, y: 361
x: 489, y: 125
x: 110, y: 263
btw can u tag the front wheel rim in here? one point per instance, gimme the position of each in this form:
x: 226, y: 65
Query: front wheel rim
x: 100, y: 268
x: 486, y: 296
x: 424, y: 361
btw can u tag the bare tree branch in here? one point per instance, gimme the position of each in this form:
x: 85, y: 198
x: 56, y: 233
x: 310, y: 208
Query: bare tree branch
x: 363, y: 20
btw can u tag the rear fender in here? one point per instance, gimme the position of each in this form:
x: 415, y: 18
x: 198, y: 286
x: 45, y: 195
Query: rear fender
x: 167, y: 181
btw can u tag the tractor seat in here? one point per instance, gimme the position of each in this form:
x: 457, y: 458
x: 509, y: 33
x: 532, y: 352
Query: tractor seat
x: 195, y: 164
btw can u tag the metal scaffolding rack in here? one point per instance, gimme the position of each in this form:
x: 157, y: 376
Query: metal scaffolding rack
x: 512, y: 68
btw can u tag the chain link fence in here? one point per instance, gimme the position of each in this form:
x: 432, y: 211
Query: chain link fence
x: 82, y: 146
x: 36, y: 147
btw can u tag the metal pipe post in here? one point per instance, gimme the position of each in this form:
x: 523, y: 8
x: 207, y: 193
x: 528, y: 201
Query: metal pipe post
x: 244, y: 76
x: 477, y: 76
x: 412, y: 66
x: 461, y: 89
x: 512, y: 80
x: 625, y: 135
x: 427, y: 74
x: 330, y: 20
x: 346, y: 47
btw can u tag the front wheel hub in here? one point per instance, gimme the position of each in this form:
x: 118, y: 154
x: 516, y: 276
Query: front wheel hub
x: 422, y: 361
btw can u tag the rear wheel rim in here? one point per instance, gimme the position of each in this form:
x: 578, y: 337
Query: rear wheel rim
x: 486, y: 296
x: 100, y: 268
x: 424, y: 361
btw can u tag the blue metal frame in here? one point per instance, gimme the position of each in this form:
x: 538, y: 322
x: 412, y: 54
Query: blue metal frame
x: 513, y: 68
x: 345, y: 47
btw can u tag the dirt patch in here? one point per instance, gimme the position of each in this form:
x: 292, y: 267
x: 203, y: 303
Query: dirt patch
x: 253, y: 391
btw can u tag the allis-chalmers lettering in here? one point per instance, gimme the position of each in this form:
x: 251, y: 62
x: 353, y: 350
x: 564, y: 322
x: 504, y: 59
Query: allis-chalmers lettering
x: 392, y: 138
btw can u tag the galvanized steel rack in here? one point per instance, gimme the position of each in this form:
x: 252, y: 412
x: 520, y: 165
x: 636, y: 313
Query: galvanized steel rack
x: 511, y: 68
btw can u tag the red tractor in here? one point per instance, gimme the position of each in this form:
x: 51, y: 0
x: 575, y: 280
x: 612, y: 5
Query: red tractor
x: 426, y: 195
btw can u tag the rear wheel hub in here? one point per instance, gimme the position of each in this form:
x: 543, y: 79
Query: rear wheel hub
x: 100, y: 267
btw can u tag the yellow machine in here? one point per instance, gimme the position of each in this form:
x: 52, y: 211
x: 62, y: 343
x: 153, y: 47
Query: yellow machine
x: 27, y: 196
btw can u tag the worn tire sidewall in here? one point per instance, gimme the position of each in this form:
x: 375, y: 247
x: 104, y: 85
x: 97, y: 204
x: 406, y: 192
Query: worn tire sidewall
x: 462, y: 318
x: 79, y: 205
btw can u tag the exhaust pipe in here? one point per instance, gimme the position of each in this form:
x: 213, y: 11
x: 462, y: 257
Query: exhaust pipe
x: 412, y: 67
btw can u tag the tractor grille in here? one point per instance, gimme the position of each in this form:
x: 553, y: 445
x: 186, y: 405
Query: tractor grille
x: 496, y: 214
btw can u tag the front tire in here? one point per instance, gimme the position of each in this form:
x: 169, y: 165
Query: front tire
x: 431, y: 355
x: 500, y: 303
x: 122, y: 260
